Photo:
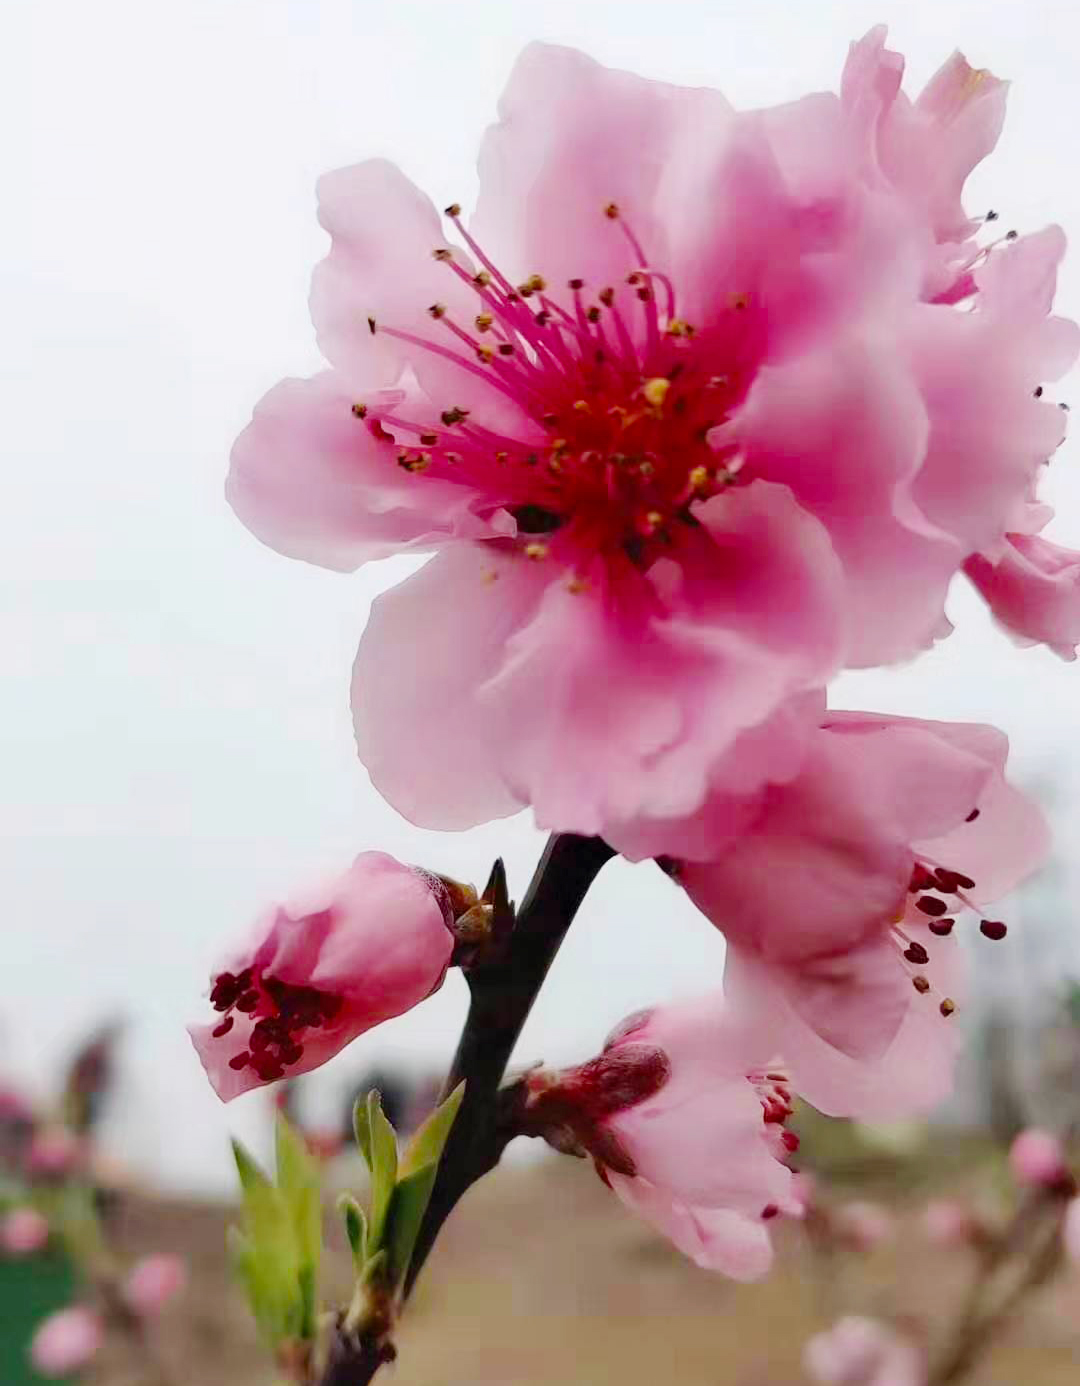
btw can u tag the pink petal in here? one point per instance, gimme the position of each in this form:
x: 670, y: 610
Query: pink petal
x: 572, y: 137
x: 1034, y: 591
x: 430, y: 645
x: 310, y: 480
x: 845, y: 427
x: 635, y: 700
x: 714, y: 1238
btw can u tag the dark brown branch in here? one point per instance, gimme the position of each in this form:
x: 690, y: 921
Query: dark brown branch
x: 502, y: 994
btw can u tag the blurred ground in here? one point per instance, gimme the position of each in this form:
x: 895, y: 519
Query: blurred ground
x: 542, y: 1280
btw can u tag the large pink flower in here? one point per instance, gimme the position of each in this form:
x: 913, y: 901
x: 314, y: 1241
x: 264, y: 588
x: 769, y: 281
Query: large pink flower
x: 686, y: 408
x: 838, y: 901
x: 370, y: 946
x: 686, y: 1125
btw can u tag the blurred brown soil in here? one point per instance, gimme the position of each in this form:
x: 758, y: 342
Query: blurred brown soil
x: 540, y: 1279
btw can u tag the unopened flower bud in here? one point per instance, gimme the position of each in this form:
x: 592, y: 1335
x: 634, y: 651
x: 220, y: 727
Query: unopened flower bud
x: 66, y: 1341
x: 947, y: 1222
x: 1037, y: 1159
x: 152, y: 1282
x: 23, y: 1231
x: 864, y: 1225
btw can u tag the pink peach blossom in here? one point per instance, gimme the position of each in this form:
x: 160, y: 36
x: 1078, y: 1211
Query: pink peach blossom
x: 66, y: 1341
x: 839, y: 900
x: 368, y: 946
x: 1037, y: 1158
x: 153, y: 1281
x: 1033, y: 589
x: 865, y: 1225
x: 686, y: 1128
x: 947, y: 1222
x: 1070, y: 1231
x: 54, y: 1152
x: 23, y: 1231
x: 688, y: 411
x: 864, y: 1352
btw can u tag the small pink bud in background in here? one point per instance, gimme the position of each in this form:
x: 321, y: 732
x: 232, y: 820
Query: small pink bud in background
x: 66, y: 1341
x: 1070, y: 1231
x: 153, y: 1281
x: 863, y: 1352
x: 23, y: 1231
x: 946, y: 1222
x: 13, y: 1106
x: 864, y: 1225
x: 1037, y: 1158
x: 54, y: 1151
x: 803, y: 1192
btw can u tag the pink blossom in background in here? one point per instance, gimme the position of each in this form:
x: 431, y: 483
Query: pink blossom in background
x: 1033, y: 589
x: 1037, y: 1158
x: 368, y: 946
x: 686, y: 1128
x: 865, y: 1225
x: 690, y: 411
x: 864, y: 1352
x: 54, y: 1152
x: 1071, y: 1231
x: 947, y: 1222
x: 839, y: 897
x: 23, y: 1231
x: 153, y: 1281
x: 66, y: 1341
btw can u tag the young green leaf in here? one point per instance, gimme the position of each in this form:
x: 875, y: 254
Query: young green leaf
x: 362, y: 1129
x: 407, y: 1208
x: 356, y: 1229
x: 384, y: 1167
x: 298, y: 1180
x: 426, y: 1146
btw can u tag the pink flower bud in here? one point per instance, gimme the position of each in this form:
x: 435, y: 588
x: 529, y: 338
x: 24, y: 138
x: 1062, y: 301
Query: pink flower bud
x: 153, y: 1281
x: 863, y: 1352
x: 1037, y: 1158
x: 54, y: 1152
x: 23, y: 1231
x: 371, y: 945
x: 1070, y: 1231
x: 66, y: 1341
x: 946, y: 1222
x: 865, y: 1225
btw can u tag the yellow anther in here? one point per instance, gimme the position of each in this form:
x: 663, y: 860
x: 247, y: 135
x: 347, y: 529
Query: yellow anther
x: 677, y: 328
x: 582, y: 406
x: 454, y: 210
x: 699, y: 478
x: 947, y: 1006
x: 654, y: 519
x: 536, y: 551
x: 483, y: 321
x: 655, y: 390
x: 485, y: 353
x: 359, y: 411
x: 481, y: 279
x: 537, y: 283
x: 577, y: 585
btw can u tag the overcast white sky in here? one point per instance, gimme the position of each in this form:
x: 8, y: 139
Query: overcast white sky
x: 175, y: 737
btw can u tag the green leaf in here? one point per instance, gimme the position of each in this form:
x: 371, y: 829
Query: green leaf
x: 362, y: 1129
x: 375, y: 1268
x: 407, y: 1208
x: 429, y: 1140
x: 356, y: 1229
x: 298, y: 1180
x: 384, y: 1165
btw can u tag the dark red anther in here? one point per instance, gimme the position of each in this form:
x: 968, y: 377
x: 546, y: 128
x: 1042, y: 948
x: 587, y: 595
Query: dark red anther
x: 219, y: 1031
x: 248, y: 1001
x: 921, y: 879
x: 994, y: 929
x: 791, y: 1141
x: 941, y: 928
x: 972, y: 816
x: 239, y: 1061
x: 917, y: 954
x: 930, y: 904
x: 769, y: 1211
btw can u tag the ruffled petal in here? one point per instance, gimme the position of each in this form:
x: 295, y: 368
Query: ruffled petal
x: 430, y: 645
x: 309, y: 479
x: 1033, y: 589
x: 714, y: 1238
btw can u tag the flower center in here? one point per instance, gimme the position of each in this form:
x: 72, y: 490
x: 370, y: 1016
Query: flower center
x: 282, y: 1015
x: 618, y: 398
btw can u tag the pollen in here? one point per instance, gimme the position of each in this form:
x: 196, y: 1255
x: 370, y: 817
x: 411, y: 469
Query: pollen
x: 655, y: 390
x: 536, y: 551
x: 483, y: 321
x: 359, y: 411
x: 699, y: 478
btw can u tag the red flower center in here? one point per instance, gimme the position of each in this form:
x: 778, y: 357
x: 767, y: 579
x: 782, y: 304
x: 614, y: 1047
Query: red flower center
x: 283, y: 1014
